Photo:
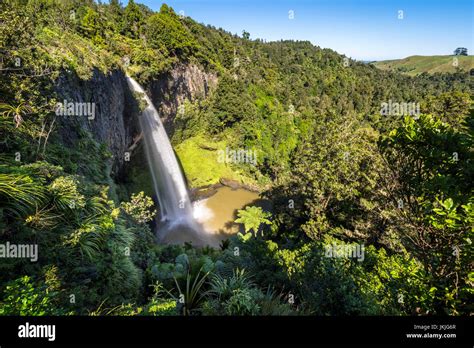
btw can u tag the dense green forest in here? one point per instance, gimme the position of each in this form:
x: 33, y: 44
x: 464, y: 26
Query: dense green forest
x: 339, y: 173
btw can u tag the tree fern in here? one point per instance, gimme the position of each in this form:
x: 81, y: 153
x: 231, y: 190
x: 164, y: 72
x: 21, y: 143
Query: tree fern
x: 252, y: 217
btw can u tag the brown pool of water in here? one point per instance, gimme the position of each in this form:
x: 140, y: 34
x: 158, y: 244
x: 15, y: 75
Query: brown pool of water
x: 217, y: 213
x: 214, y: 218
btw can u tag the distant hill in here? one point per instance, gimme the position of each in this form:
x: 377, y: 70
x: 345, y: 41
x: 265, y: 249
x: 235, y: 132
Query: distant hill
x: 415, y: 65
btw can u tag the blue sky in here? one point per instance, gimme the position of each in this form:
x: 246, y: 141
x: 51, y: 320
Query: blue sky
x: 361, y: 29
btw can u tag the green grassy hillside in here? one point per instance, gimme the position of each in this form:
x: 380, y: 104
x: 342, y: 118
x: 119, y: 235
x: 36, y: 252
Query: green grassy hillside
x: 415, y: 65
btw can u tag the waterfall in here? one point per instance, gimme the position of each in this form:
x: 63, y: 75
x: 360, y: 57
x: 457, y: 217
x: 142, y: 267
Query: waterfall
x: 177, y: 223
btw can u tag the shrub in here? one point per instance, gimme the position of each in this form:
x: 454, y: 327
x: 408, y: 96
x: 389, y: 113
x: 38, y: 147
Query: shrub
x: 23, y: 297
x: 140, y: 208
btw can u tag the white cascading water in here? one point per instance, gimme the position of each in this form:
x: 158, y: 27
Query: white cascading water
x: 177, y: 223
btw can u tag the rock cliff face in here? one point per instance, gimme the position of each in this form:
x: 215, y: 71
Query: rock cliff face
x: 184, y: 82
x: 115, y: 123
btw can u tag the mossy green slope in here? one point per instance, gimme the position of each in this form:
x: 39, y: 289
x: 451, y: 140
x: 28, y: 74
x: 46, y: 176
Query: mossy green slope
x: 198, y: 156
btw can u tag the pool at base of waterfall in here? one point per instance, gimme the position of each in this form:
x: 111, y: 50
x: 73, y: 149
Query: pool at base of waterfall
x: 213, y: 218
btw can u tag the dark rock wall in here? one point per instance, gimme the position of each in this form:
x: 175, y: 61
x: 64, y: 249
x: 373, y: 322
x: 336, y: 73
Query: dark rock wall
x: 115, y: 122
x: 184, y: 82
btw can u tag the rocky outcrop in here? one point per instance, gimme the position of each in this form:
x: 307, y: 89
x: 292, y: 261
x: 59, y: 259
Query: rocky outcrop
x: 184, y: 82
x: 115, y: 122
x: 115, y: 116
